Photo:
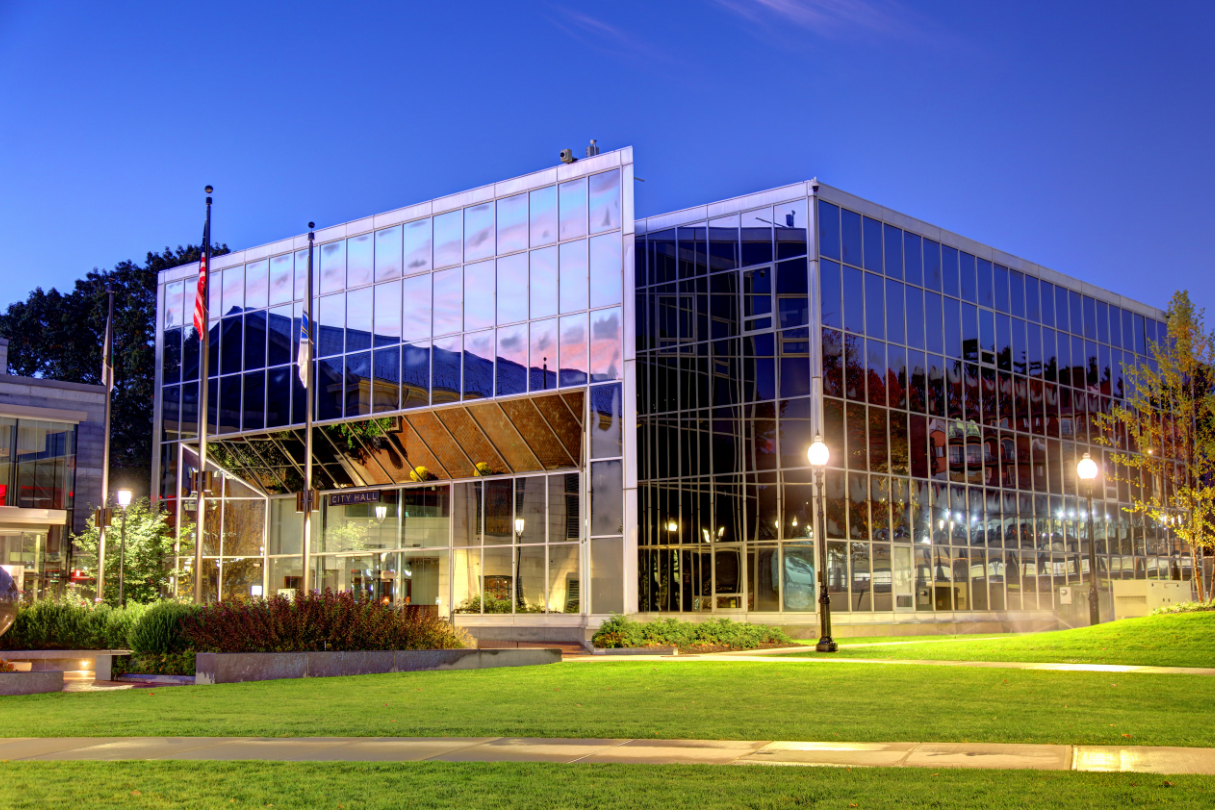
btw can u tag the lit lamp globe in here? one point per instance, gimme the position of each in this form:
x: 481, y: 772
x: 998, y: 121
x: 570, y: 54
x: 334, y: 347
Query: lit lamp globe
x: 124, y: 498
x: 1086, y: 468
x: 818, y: 453
x: 518, y: 525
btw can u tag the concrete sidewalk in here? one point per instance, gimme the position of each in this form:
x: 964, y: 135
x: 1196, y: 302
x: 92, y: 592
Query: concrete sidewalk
x: 1138, y: 759
x: 787, y: 655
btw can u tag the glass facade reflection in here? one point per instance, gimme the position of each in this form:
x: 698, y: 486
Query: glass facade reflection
x: 553, y: 408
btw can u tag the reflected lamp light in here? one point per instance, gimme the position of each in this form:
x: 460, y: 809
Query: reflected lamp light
x: 519, y: 525
x: 672, y: 526
x: 1086, y: 468
x: 818, y: 454
x: 381, y: 512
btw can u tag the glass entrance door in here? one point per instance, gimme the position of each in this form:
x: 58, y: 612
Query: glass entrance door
x: 422, y: 579
x: 729, y: 578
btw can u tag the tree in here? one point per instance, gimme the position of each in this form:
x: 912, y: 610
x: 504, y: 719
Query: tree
x: 149, y: 551
x: 59, y: 336
x: 1165, y: 434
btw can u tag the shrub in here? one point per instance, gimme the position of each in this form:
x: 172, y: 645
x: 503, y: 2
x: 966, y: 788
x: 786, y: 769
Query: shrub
x: 619, y: 631
x: 68, y: 625
x: 181, y: 663
x: 494, y: 604
x: 313, y: 622
x: 5, y: 666
x: 158, y: 631
x: 1185, y: 607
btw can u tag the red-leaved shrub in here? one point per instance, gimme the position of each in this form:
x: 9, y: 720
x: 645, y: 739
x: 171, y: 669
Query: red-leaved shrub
x: 314, y: 622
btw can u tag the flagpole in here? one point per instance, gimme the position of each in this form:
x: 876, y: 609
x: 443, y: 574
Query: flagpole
x: 107, y: 373
x: 201, y: 481
x: 306, y: 334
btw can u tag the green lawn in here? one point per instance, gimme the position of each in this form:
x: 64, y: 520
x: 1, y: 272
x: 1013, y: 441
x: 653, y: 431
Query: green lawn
x: 1178, y: 640
x: 689, y: 699
x: 347, y: 786
x: 904, y: 639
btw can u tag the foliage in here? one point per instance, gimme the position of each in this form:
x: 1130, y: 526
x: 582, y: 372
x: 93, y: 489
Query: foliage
x: 58, y: 336
x: 149, y: 551
x: 1184, y: 607
x: 313, y: 622
x: 420, y: 473
x: 177, y: 663
x: 70, y: 625
x: 494, y: 604
x: 158, y: 631
x: 1164, y: 434
x: 5, y: 666
x: 619, y: 631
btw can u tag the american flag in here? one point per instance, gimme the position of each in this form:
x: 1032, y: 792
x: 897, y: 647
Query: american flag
x: 200, y: 299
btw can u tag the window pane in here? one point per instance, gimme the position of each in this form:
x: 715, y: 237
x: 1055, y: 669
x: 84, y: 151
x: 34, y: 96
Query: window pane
x: 512, y: 288
x: 607, y: 361
x: 448, y: 301
x: 573, y: 350
x: 449, y: 238
x: 301, y: 275
x: 932, y: 265
x: 875, y: 316
x: 333, y: 267
x: 415, y: 320
x: 894, y: 252
x: 894, y: 311
x: 543, y: 287
x: 543, y: 341
x: 417, y: 247
x: 386, y: 387
x: 257, y: 284
x: 572, y: 197
x: 358, y: 319
x: 388, y: 314
x: 359, y: 260
x: 792, y: 288
x: 573, y: 276
x: 479, y: 232
x: 281, y: 270
x: 388, y: 253
x: 479, y: 365
x: 605, y: 201
x: 478, y: 295
x: 829, y: 285
x: 446, y: 373
x: 850, y: 224
x: 331, y: 325
x: 415, y: 375
x: 873, y: 245
x: 854, y: 301
x: 543, y: 216
x: 234, y: 290
x: 828, y: 230
x: 968, y: 282
x: 606, y: 276
x: 913, y: 260
x: 512, y: 224
x: 512, y: 360
x: 915, y: 317
x: 757, y: 237
x: 950, y: 280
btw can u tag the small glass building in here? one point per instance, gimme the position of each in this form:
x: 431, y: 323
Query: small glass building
x: 534, y: 411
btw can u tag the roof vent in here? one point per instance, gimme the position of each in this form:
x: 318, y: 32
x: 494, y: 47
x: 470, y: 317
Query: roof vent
x: 593, y: 149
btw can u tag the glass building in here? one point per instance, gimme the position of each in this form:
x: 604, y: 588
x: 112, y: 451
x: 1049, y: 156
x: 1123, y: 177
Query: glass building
x: 534, y: 411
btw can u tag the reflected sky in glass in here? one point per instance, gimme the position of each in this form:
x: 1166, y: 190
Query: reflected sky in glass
x: 446, y: 370
x: 449, y: 301
x: 478, y: 295
x: 479, y: 232
x: 543, y: 216
x: 173, y: 304
x: 415, y: 319
x: 331, y: 323
x: 359, y: 260
x: 512, y: 288
x: 358, y: 319
x: 281, y: 269
x: 605, y: 201
x: 606, y: 278
x: 449, y: 238
x: 512, y: 360
x: 215, y: 295
x: 607, y: 352
x: 417, y: 247
x: 388, y: 313
x: 388, y: 253
x: 573, y: 276
x: 479, y: 365
x: 543, y: 287
x: 234, y: 289
x: 333, y: 267
x: 512, y: 224
x: 543, y: 345
x: 572, y: 196
x: 573, y: 350
x: 257, y: 284
x: 301, y: 274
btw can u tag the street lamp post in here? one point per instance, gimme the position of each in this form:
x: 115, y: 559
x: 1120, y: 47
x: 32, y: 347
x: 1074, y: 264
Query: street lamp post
x: 1087, y: 470
x: 124, y: 500
x: 819, y: 454
x: 519, y: 525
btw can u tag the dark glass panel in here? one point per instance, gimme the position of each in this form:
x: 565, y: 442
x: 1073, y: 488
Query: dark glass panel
x: 756, y: 237
x: 1128, y: 335
x: 171, y: 367
x: 759, y: 368
x: 1017, y: 293
x: 1033, y: 349
x: 987, y: 336
x: 255, y: 340
x: 833, y: 431
x: 386, y: 388
x: 873, y: 245
x: 1115, y: 327
x: 985, y: 288
x: 479, y: 355
x: 915, y: 317
x: 932, y: 265
x: 991, y: 403
x: 229, y: 404
x: 854, y: 367
x: 850, y: 224
x: 1079, y: 362
x: 936, y: 385
x: 1139, y: 342
x: 894, y: 252
x: 792, y: 293
x: 663, y: 257
x: 955, y: 404
x: 828, y: 230
x: 953, y: 327
x: 875, y: 356
x: 723, y: 245
x: 279, y: 336
x: 875, y: 317
x: 789, y: 221
x: 1004, y: 342
x: 415, y: 375
x: 640, y: 262
x: 692, y: 253
x: 968, y: 283
x: 917, y: 382
x: 894, y: 312
x: 170, y: 416
x: 1001, y: 293
x: 445, y: 385
x: 213, y: 347
x: 933, y: 320
x: 231, y: 356
x: 190, y: 358
x: 794, y: 363
x: 278, y: 396
x: 357, y: 384
x: 918, y: 449
x: 973, y: 400
x: 1033, y: 306
x: 833, y: 364
x: 1075, y: 306
x: 854, y: 301
x: 1050, y: 355
x: 970, y: 332
x: 950, y: 281
x: 254, y: 408
x: 1019, y: 349
x: 830, y: 285
x: 913, y: 259
x: 857, y: 437
x: 1047, y: 302
x: 1091, y: 329
x: 899, y: 461
x: 757, y: 298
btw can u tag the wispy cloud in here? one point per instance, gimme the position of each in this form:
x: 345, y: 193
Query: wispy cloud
x: 832, y: 18
x: 604, y: 36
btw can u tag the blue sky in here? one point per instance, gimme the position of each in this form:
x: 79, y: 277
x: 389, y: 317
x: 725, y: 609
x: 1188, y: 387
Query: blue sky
x: 1076, y: 135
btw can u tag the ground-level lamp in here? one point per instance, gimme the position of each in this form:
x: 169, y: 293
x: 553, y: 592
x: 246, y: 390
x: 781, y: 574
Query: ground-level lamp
x: 819, y: 455
x: 124, y: 500
x: 519, y: 525
x: 1086, y: 469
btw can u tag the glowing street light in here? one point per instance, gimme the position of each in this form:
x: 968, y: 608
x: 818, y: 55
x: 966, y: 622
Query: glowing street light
x: 1087, y: 470
x: 819, y: 455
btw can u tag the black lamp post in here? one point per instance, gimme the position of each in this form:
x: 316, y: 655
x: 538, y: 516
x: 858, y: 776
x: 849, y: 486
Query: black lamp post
x: 1087, y: 470
x: 819, y: 455
x: 124, y: 500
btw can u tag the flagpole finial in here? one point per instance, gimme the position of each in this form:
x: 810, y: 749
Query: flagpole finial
x: 208, y: 189
x: 311, y: 225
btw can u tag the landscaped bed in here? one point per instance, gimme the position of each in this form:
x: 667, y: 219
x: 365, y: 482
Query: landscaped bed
x: 714, y: 635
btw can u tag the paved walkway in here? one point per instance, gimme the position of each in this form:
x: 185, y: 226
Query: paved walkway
x: 781, y: 655
x: 1139, y: 759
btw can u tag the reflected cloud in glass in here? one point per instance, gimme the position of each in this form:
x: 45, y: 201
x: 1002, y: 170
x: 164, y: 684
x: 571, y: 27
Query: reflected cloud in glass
x: 512, y: 224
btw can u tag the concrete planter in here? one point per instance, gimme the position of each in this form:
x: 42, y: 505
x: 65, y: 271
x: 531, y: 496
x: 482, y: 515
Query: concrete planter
x: 30, y: 683
x: 212, y: 668
x: 99, y: 662
x: 636, y: 651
